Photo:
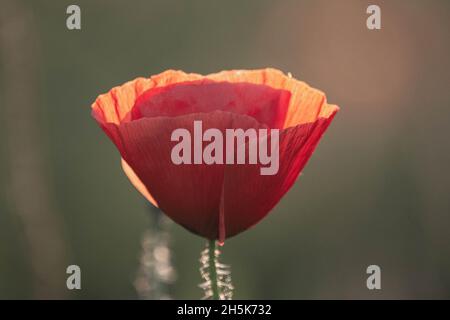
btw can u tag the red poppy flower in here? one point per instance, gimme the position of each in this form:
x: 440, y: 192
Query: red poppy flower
x: 216, y: 200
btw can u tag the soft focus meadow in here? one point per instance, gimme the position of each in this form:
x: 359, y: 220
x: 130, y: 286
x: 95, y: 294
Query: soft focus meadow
x: 376, y: 191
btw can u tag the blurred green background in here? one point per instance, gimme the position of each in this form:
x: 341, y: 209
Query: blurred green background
x: 376, y: 191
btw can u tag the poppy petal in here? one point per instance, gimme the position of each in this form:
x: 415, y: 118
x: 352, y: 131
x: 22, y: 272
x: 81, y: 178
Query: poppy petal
x: 188, y: 193
x: 264, y: 103
x: 115, y: 106
x: 137, y: 183
x: 306, y: 103
x: 257, y: 193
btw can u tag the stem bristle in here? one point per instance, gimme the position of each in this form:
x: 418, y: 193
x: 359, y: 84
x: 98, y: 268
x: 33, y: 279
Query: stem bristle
x: 217, y: 276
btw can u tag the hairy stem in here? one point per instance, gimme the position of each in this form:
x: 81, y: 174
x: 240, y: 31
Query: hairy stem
x: 217, y: 276
x: 213, y: 270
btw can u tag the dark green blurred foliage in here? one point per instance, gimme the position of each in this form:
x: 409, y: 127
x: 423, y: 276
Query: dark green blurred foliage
x: 375, y: 191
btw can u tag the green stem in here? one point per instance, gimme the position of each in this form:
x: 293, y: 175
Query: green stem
x: 213, y: 270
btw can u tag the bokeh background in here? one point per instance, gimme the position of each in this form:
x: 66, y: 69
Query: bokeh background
x: 376, y: 191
